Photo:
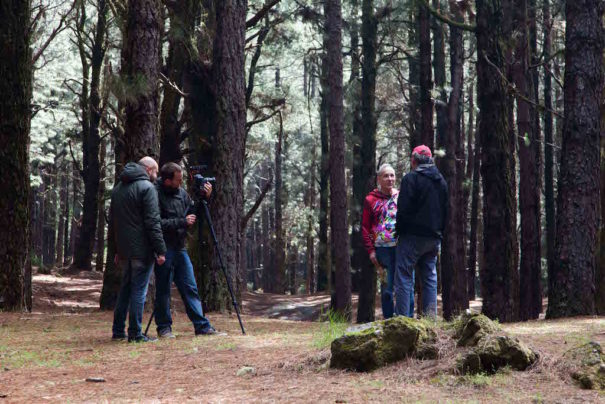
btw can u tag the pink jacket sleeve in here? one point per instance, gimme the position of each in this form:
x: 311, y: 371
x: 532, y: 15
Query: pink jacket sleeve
x: 367, y: 223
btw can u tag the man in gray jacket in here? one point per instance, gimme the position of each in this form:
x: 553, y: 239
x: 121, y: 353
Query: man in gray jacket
x: 138, y: 239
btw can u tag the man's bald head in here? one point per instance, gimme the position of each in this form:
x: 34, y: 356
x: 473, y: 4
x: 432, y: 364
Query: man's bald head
x: 151, y: 166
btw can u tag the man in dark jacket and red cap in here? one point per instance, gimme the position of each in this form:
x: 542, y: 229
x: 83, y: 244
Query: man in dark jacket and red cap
x: 421, y: 216
x: 137, y: 232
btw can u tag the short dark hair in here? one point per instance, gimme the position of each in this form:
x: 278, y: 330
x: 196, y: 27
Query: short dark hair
x: 168, y: 170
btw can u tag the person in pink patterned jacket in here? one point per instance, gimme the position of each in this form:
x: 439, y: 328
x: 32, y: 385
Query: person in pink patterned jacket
x: 378, y: 232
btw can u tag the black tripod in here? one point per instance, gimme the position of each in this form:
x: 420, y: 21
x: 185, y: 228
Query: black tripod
x: 204, y: 205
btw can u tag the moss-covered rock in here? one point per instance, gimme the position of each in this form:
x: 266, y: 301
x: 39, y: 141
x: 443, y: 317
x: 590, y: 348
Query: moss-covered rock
x: 376, y: 344
x: 472, y: 327
x: 588, y: 362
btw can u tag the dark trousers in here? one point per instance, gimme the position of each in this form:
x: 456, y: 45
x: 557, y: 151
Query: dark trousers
x: 184, y: 279
x: 131, y: 298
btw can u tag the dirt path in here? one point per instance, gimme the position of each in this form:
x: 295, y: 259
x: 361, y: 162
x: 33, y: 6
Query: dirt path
x: 47, y: 356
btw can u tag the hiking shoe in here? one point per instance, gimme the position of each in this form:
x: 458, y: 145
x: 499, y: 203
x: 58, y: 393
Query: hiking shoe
x: 142, y: 338
x: 165, y: 334
x: 117, y: 337
x: 209, y: 331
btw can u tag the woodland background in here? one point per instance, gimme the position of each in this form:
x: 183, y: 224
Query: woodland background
x: 293, y: 105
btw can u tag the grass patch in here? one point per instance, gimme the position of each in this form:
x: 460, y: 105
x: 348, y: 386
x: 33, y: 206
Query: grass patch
x: 134, y: 354
x: 226, y: 346
x: 479, y: 380
x: 333, y: 328
x: 21, y: 358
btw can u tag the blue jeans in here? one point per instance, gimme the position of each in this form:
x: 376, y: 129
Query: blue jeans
x: 412, y: 250
x: 131, y: 298
x: 387, y: 257
x: 177, y: 268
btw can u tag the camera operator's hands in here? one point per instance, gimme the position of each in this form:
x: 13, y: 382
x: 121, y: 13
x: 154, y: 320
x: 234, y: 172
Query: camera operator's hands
x: 207, y: 190
x: 190, y: 219
x: 160, y: 259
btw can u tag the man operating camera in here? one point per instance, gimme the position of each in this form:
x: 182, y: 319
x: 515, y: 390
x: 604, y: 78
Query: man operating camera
x: 175, y: 206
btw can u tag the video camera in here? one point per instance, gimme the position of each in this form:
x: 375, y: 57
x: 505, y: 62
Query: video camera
x: 198, y: 179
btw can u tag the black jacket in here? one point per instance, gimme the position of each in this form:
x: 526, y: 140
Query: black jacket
x: 175, y: 204
x: 422, y: 203
x: 136, y: 216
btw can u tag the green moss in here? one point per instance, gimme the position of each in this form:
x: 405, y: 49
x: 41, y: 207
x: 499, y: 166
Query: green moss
x: 590, y: 364
x: 376, y: 344
x: 475, y: 327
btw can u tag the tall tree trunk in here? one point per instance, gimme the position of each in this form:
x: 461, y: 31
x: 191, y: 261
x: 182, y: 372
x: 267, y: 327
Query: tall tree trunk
x: 280, y: 242
x: 475, y: 208
x: 182, y: 15
x: 600, y: 273
x: 74, y: 231
x: 549, y: 185
x: 63, y: 213
x: 413, y: 112
x: 15, y: 117
x: 310, y: 204
x: 529, y: 157
x: 267, y: 264
x: 49, y: 219
x: 292, y: 267
x: 578, y: 198
x: 142, y: 72
x: 472, y: 156
x: 229, y: 146
x: 324, y: 261
x: 338, y: 193
x: 101, y: 215
x: 499, y: 277
x: 426, y: 85
x: 359, y: 258
x: 439, y: 70
x: 453, y: 270
x: 90, y: 147
x: 364, y: 182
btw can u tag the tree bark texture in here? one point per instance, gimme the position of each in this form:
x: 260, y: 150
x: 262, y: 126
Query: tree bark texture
x: 142, y: 74
x: 338, y: 192
x: 49, y: 227
x: 280, y: 241
x: 324, y: 261
x: 549, y: 183
x: 426, y: 85
x: 453, y: 268
x: 100, y: 253
x: 499, y: 276
x: 578, y: 200
x: 529, y: 162
x: 15, y: 117
x: 364, y: 181
x: 439, y: 71
x: 91, y: 170
x: 182, y: 15
x: 228, y: 73
x: 63, y: 214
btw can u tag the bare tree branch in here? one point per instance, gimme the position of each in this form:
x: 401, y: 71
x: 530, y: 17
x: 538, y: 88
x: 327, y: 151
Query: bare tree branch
x: 60, y: 27
x: 261, y: 13
x: 257, y: 203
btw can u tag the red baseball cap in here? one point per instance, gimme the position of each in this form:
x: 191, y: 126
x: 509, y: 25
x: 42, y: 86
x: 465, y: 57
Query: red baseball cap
x: 422, y: 150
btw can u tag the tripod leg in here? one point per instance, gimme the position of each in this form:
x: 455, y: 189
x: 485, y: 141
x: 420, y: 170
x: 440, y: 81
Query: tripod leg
x: 220, y: 258
x: 149, y: 323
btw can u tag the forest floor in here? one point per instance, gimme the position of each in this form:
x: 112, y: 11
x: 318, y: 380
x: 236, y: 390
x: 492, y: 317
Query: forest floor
x: 48, y: 354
